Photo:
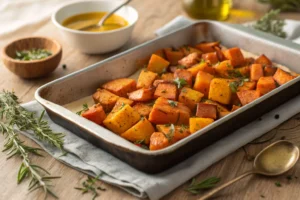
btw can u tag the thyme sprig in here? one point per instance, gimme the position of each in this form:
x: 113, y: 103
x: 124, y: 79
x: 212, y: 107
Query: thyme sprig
x: 89, y: 186
x: 39, y: 177
x: 196, y: 187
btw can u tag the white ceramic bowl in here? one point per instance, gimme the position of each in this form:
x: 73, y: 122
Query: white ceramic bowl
x: 95, y: 42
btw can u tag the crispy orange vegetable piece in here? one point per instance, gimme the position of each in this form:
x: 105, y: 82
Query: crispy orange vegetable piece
x: 167, y: 76
x: 95, y: 114
x: 223, y: 114
x: 249, y: 61
x: 160, y: 53
x: 264, y: 60
x: 256, y: 72
x: 143, y: 109
x: 207, y: 47
x: 202, y: 82
x: 250, y: 85
x: 120, y: 86
x: 220, y: 107
x: 179, y: 132
x: 235, y: 56
x: 173, y: 56
x: 234, y: 108
x: 223, y: 68
x: 106, y: 99
x: 247, y: 96
x: 201, y: 67
x: 220, y: 54
x: 265, y: 85
x: 167, y: 90
x: 197, y: 124
x: 211, y: 58
x: 186, y: 50
x: 146, y: 79
x: 124, y: 101
x: 166, y: 111
x: 143, y: 94
x: 282, y: 77
x: 184, y: 74
x: 220, y: 91
x: 190, y: 97
x: 269, y: 70
x: 158, y: 141
x: 190, y: 60
x: 245, y: 71
x: 140, y: 131
x: 205, y: 110
x: 157, y: 64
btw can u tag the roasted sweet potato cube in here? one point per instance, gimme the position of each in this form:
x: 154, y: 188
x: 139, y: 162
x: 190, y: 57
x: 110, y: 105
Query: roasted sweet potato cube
x: 207, y: 47
x: 184, y: 74
x: 282, y: 77
x: 122, y: 119
x: 167, y: 90
x: 143, y: 94
x: 157, y: 82
x: 250, y: 85
x: 263, y: 60
x: 157, y: 64
x: 211, y: 58
x: 123, y: 100
x: 190, y: 60
x: 95, y: 114
x: 167, y: 111
x: 256, y: 72
x: 205, y: 110
x: 220, y: 90
x: 234, y: 108
x: 269, y: 70
x: 220, y: 107
x: 197, y: 124
x: 265, y: 85
x: 203, y: 66
x: 202, y: 82
x: 120, y: 86
x: 244, y: 71
x: 174, y: 133
x: 249, y: 61
x: 174, y: 68
x: 247, y: 96
x: 140, y: 131
x: 146, y: 79
x: 235, y: 56
x: 223, y: 114
x: 143, y: 109
x: 160, y: 53
x: 186, y: 50
x: 219, y: 53
x: 223, y: 68
x: 167, y: 76
x: 190, y: 97
x: 173, y: 56
x: 158, y: 141
x: 106, y: 99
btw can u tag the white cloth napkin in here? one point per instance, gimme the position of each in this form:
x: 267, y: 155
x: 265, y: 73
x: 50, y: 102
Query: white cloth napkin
x: 85, y: 157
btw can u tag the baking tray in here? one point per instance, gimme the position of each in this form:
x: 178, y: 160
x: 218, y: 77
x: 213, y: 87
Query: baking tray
x: 85, y: 82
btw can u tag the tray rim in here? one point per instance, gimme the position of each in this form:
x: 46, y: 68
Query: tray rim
x: 88, y: 126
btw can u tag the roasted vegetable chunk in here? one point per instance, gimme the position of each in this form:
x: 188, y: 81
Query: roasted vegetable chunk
x: 174, y: 133
x: 199, y: 123
x: 282, y: 77
x: 247, y: 96
x: 185, y: 75
x: 264, y: 60
x: 224, y: 68
x: 265, y: 85
x: 205, y: 110
x: 167, y: 77
x: 269, y: 70
x: 122, y: 119
x: 190, y: 60
x: 167, y: 111
x: 244, y: 71
x: 120, y: 86
x: 203, y: 66
x: 220, y: 107
x: 235, y: 56
x: 157, y: 64
x: 167, y: 90
x: 211, y: 58
x: 143, y: 109
x: 160, y: 53
x: 249, y: 85
x: 146, y: 79
x: 158, y: 141
x: 190, y: 97
x: 234, y: 108
x: 124, y: 101
x: 186, y: 50
x: 140, y: 131
x: 223, y: 114
x: 207, y: 47
x: 95, y: 114
x: 173, y: 56
x: 106, y: 99
x: 202, y: 82
x: 256, y: 72
x: 220, y: 91
x: 143, y: 94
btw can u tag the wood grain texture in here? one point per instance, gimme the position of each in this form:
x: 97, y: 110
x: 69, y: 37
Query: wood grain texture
x: 153, y: 14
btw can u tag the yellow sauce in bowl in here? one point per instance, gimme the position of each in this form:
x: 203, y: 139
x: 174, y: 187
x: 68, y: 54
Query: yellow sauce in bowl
x: 80, y: 21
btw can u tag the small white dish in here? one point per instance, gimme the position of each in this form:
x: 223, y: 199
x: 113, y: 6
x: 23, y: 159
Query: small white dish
x: 95, y: 42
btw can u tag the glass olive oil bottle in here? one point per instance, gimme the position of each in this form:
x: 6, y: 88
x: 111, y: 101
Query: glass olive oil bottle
x: 207, y: 9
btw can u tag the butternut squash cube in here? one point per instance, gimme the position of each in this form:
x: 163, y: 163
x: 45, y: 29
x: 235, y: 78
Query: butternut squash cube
x: 220, y: 91
x: 143, y: 94
x: 190, y: 60
x: 282, y: 77
x: 122, y: 119
x: 176, y: 134
x: 157, y: 64
x: 167, y: 90
x: 211, y: 58
x: 247, y: 96
x: 223, y: 114
x: 197, y: 124
x: 160, y: 53
x: 269, y: 70
x: 201, y: 67
x: 256, y: 72
x: 167, y: 77
x: 205, y: 110
x: 173, y: 56
x: 264, y: 60
x: 143, y: 109
x: 220, y: 107
x: 184, y: 74
x: 95, y: 114
x: 158, y: 141
x: 207, y: 47
x: 186, y: 50
x: 245, y: 71
x: 120, y: 86
x: 235, y: 56
x: 140, y: 131
x: 224, y: 68
x: 202, y: 82
x: 250, y: 85
x: 190, y: 97
x: 106, y: 99
x: 265, y: 85
x: 146, y: 79
x: 124, y: 101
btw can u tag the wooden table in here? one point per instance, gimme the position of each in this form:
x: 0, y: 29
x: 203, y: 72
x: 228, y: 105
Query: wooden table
x: 153, y: 14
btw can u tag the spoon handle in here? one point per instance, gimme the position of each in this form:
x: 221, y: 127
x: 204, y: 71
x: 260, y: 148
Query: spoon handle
x: 101, y: 22
x: 212, y: 192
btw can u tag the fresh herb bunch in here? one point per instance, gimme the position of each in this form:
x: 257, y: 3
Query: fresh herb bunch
x: 284, y: 5
x: 270, y: 23
x: 180, y: 82
x: 89, y: 186
x: 196, y: 187
x: 33, y: 54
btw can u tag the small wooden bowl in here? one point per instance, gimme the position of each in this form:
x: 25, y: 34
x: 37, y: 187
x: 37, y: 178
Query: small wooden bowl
x: 32, y: 68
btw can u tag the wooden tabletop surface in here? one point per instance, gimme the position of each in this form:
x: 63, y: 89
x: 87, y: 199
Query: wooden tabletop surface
x: 153, y: 14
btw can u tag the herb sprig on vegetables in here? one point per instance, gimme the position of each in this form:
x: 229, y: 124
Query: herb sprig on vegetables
x: 85, y: 107
x: 180, y: 82
x: 196, y: 187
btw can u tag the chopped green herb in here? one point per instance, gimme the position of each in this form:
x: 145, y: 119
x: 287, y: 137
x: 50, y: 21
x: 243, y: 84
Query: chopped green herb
x: 278, y: 184
x: 85, y: 107
x: 172, y: 103
x: 180, y: 67
x: 228, y: 65
x: 235, y: 84
x: 202, y: 61
x: 150, y: 103
x: 33, y: 54
x: 235, y: 74
x: 289, y: 177
x: 180, y: 82
x: 171, y: 132
x: 197, y: 187
x: 89, y: 186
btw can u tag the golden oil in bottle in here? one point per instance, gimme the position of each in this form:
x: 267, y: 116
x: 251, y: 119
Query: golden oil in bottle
x: 207, y: 9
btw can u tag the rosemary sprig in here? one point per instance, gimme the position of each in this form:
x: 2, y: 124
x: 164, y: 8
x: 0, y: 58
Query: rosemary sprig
x: 16, y: 115
x: 40, y: 178
x: 271, y: 23
x: 197, y: 187
x: 89, y: 186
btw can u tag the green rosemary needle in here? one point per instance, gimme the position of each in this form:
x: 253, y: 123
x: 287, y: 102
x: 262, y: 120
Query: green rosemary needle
x: 197, y: 187
x: 89, y: 185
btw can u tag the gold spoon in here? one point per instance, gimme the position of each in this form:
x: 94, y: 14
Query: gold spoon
x: 273, y: 160
x: 105, y: 17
